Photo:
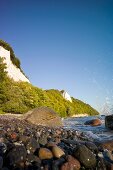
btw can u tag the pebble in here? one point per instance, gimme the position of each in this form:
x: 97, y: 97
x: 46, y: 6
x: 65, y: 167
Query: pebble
x: 73, y: 163
x: 32, y: 145
x: 24, y: 146
x: 1, y: 162
x: 57, y: 152
x: 45, y: 153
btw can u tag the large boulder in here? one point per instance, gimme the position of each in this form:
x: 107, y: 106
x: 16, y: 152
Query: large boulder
x: 109, y: 121
x: 43, y: 116
x: 94, y: 122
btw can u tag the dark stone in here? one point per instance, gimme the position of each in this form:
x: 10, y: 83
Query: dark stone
x: 16, y: 155
x: 24, y: 139
x: 32, y: 145
x: 57, y: 163
x: 94, y: 122
x: 91, y: 146
x: 1, y: 162
x: 109, y: 122
x: 3, y: 148
x: 43, y: 139
x: 108, y: 156
x: 85, y: 156
x: 101, y: 165
x: 5, y: 168
x: 32, y: 158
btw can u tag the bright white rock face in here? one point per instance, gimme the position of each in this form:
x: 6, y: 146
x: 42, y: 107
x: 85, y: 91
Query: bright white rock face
x: 12, y: 70
x: 66, y: 96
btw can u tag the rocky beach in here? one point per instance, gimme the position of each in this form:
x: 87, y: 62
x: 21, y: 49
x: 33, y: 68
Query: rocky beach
x: 24, y: 146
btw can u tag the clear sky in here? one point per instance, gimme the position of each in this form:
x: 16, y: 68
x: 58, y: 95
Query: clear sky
x: 63, y: 44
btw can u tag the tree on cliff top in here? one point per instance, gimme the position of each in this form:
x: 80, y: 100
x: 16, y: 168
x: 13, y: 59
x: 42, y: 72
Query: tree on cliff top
x: 14, y: 59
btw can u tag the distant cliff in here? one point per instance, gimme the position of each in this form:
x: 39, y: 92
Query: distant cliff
x: 66, y: 96
x: 12, y: 64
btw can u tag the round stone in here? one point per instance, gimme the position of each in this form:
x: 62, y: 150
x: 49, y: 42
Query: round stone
x: 57, y: 152
x: 73, y: 163
x: 45, y: 153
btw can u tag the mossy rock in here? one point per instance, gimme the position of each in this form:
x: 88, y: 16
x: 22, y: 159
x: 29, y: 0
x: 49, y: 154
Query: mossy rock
x: 43, y: 116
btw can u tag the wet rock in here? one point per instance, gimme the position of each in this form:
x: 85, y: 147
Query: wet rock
x: 65, y: 166
x: 16, y: 155
x: 89, y: 136
x: 58, y: 132
x: 3, y: 148
x: 108, y: 156
x: 14, y: 136
x: 94, y: 122
x: 47, y: 163
x: 10, y: 146
x: 1, y: 162
x: 109, y: 121
x: 32, y: 158
x: 43, y: 139
x: 45, y: 153
x: 70, y: 166
x: 70, y: 142
x: 2, y: 139
x: 91, y: 146
x: 51, y: 144
x: 107, y: 145
x: 85, y: 156
x: 73, y: 163
x: 57, y: 152
x: 56, y: 164
x: 101, y: 165
x: 5, y: 168
x: 32, y: 145
x: 24, y: 139
x: 109, y: 166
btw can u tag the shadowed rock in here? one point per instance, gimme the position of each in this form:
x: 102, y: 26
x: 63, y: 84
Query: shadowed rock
x: 109, y: 121
x: 43, y: 116
x: 94, y: 122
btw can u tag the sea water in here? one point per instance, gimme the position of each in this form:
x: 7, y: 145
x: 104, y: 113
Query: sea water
x: 100, y: 132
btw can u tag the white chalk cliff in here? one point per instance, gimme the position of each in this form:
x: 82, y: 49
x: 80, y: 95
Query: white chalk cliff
x: 66, y: 96
x: 12, y: 70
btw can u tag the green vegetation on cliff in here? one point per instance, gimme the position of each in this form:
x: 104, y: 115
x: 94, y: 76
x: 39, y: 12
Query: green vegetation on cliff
x: 19, y: 97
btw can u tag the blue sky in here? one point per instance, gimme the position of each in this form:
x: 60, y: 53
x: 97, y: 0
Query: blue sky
x: 63, y: 44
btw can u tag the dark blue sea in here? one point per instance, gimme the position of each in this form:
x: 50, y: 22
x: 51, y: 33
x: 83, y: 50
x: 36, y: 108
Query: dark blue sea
x: 97, y: 132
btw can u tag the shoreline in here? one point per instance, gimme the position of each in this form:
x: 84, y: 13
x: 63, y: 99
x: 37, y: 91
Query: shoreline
x: 79, y: 115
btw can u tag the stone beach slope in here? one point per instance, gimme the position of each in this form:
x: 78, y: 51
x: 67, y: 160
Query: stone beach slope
x: 25, y: 146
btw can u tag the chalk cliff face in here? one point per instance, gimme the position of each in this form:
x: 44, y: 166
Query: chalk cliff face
x: 66, y: 95
x: 12, y: 70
